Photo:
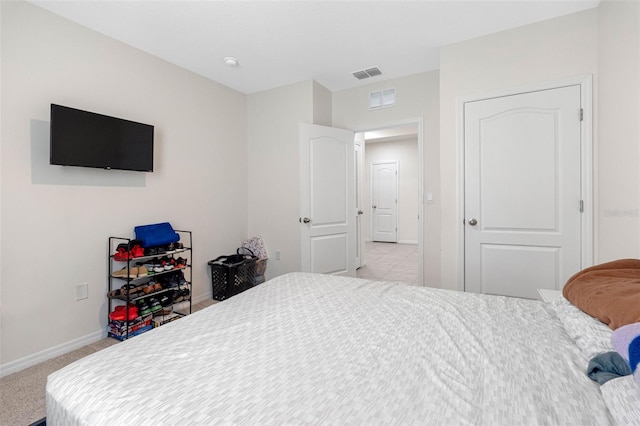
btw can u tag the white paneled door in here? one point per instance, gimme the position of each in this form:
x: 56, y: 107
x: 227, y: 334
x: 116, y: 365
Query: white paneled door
x: 522, y: 227
x: 384, y: 199
x: 327, y: 210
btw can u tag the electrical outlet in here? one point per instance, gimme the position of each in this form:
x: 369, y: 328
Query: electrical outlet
x: 82, y: 291
x: 277, y: 254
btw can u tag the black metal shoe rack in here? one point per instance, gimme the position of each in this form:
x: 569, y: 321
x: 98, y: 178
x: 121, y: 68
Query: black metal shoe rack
x: 115, y: 295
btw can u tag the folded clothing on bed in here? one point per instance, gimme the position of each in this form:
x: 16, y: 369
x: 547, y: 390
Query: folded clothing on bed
x: 607, y: 366
x: 609, y: 292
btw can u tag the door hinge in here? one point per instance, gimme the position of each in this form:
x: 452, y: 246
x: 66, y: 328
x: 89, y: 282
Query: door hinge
x: 581, y: 114
x: 581, y: 206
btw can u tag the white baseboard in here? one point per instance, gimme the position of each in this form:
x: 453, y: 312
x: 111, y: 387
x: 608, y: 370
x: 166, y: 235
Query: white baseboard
x: 399, y: 242
x: 408, y: 242
x: 38, y: 357
x: 201, y: 298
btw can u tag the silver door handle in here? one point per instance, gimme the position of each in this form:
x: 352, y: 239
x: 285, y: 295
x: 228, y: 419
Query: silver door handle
x: 473, y: 222
x: 360, y: 212
x: 306, y: 220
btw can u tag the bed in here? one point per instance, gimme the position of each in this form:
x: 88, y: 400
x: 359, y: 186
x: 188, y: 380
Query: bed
x: 316, y: 349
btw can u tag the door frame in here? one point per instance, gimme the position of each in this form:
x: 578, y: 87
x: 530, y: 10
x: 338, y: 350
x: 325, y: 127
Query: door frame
x: 419, y: 123
x: 587, y: 230
x: 397, y: 189
x: 358, y: 146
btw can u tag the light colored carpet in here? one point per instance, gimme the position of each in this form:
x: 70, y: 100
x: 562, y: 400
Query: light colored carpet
x: 22, y: 394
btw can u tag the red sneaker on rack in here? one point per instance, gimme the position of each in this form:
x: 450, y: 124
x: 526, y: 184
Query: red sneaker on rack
x: 122, y: 254
x: 121, y: 313
x: 137, y: 251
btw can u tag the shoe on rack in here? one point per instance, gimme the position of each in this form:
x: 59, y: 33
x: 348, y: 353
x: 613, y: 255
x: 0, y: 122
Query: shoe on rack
x: 180, y: 278
x: 148, y: 268
x: 155, y: 305
x: 122, y: 313
x: 155, y: 265
x: 181, y: 263
x: 168, y: 263
x: 154, y: 251
x: 171, y: 281
x: 117, y: 314
x: 122, y: 253
x: 150, y: 251
x: 137, y: 251
x: 171, y: 295
x: 183, y: 295
x: 126, y: 272
x: 167, y: 282
x: 165, y: 300
x: 143, y: 307
x: 165, y: 311
x: 132, y: 290
x: 142, y: 271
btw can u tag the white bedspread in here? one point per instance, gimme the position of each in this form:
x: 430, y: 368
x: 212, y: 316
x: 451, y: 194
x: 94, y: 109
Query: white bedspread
x: 316, y: 349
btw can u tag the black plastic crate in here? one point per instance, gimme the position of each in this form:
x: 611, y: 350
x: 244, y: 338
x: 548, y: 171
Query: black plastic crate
x: 232, y: 274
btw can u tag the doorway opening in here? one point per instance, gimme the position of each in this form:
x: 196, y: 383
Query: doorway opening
x: 389, y: 186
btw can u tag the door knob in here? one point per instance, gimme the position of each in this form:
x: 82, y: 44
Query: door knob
x: 473, y: 222
x: 360, y: 212
x: 306, y: 220
x: 375, y: 207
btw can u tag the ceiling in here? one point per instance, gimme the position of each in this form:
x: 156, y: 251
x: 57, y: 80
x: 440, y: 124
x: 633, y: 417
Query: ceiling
x: 283, y: 42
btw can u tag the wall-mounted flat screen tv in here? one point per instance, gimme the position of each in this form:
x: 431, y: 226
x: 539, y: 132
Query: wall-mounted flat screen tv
x: 87, y: 139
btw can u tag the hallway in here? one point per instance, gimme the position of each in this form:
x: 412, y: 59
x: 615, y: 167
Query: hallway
x: 390, y: 262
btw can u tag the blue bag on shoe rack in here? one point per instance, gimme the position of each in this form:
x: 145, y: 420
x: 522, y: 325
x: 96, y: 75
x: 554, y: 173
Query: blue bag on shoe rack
x: 158, y: 234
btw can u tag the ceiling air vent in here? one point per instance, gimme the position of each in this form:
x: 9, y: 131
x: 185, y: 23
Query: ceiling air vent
x: 369, y: 72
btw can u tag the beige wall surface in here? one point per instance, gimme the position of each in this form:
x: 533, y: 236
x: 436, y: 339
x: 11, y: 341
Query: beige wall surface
x: 273, y: 118
x: 417, y: 97
x: 56, y: 221
x: 322, y: 99
x: 618, y: 149
x: 405, y: 152
x: 546, y: 51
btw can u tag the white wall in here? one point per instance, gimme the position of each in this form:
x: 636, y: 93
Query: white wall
x: 273, y: 118
x: 545, y: 51
x: 618, y: 159
x: 417, y: 97
x: 56, y: 221
x: 405, y: 152
x: 322, y: 99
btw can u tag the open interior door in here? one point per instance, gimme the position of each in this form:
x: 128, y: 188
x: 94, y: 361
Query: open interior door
x: 327, y: 200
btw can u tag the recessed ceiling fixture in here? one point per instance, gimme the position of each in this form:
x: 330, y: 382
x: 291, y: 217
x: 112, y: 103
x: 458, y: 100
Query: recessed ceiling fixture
x: 369, y: 72
x: 231, y: 61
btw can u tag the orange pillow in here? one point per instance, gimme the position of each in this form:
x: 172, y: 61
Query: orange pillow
x: 609, y: 292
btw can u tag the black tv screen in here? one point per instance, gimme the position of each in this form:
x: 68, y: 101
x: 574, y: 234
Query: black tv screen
x: 87, y: 139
